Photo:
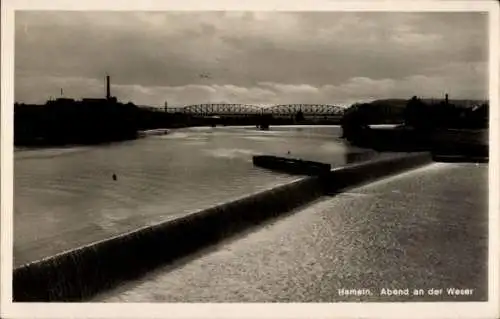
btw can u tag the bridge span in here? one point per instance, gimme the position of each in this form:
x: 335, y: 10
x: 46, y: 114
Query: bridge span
x: 244, y: 110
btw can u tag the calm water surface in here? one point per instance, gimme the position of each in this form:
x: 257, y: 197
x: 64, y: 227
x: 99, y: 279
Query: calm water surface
x: 65, y: 198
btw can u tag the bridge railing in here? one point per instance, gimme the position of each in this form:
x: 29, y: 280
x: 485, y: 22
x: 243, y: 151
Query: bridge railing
x: 281, y: 110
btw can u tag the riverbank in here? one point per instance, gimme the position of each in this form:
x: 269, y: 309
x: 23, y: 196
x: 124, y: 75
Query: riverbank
x: 43, y: 145
x: 466, y: 143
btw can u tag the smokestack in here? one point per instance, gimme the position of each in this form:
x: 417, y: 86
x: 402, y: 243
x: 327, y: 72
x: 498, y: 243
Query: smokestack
x: 446, y: 98
x: 108, y: 90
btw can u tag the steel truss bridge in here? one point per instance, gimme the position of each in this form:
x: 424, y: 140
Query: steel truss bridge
x: 244, y: 110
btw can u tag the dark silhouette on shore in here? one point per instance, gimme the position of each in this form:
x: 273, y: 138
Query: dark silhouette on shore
x: 65, y: 121
x: 443, y: 127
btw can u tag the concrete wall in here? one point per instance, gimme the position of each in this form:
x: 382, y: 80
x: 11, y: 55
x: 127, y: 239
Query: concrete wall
x: 79, y: 274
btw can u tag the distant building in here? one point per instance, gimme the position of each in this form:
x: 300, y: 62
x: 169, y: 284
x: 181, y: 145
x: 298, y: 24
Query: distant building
x: 61, y: 101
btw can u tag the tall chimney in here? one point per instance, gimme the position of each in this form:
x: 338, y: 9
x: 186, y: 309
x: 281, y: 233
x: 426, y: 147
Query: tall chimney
x: 446, y: 98
x: 108, y: 90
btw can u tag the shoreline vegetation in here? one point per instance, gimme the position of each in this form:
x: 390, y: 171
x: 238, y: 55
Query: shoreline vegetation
x: 444, y: 126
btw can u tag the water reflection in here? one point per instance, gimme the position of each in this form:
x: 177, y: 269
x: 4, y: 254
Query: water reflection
x: 67, y: 197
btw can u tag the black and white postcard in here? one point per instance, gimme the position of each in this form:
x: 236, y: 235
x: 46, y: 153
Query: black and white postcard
x: 248, y: 160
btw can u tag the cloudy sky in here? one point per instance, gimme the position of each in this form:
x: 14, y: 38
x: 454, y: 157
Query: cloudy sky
x: 250, y: 57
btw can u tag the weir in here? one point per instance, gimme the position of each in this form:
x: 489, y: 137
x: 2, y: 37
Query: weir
x: 79, y: 274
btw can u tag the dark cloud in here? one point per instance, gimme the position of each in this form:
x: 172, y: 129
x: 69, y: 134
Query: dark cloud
x: 258, y: 57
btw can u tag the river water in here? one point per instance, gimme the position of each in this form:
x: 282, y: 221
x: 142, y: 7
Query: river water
x: 66, y: 197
